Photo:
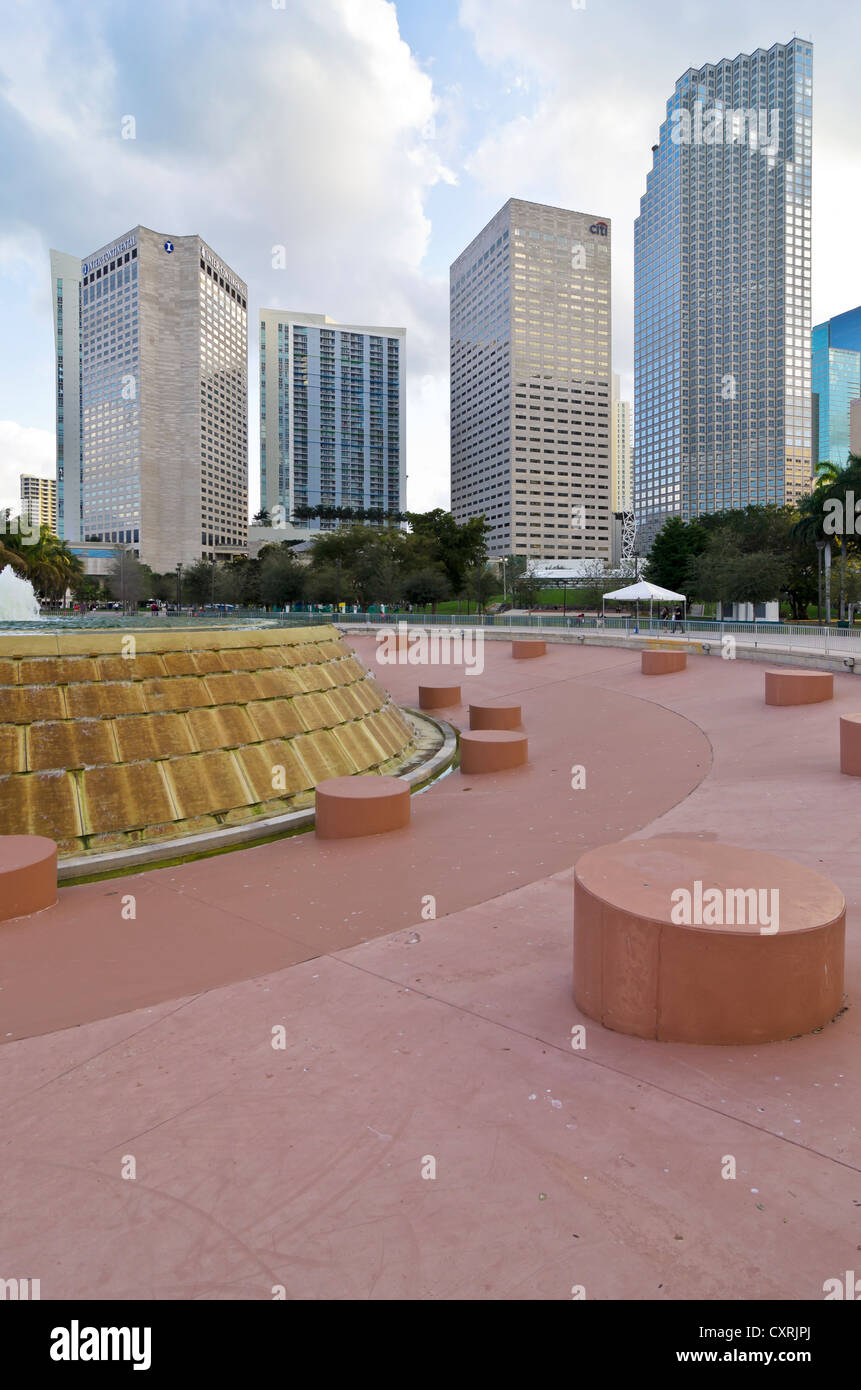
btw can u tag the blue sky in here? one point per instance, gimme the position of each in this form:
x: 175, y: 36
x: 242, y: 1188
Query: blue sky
x: 371, y: 139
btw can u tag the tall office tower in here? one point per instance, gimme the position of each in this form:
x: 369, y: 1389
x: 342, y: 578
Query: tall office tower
x: 66, y: 295
x: 531, y: 382
x: 722, y: 412
x: 622, y: 466
x: 332, y: 415
x: 163, y: 381
x: 39, y: 501
x: 836, y: 381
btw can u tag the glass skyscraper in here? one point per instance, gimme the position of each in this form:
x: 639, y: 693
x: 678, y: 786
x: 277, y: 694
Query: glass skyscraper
x: 66, y: 295
x: 836, y: 350
x: 332, y: 415
x: 722, y: 404
x: 531, y: 390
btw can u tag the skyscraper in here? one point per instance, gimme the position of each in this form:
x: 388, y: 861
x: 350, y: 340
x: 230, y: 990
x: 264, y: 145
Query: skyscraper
x: 332, y: 415
x: 836, y: 381
x: 66, y: 295
x: 622, y: 470
x: 530, y: 382
x: 722, y: 412
x: 163, y: 389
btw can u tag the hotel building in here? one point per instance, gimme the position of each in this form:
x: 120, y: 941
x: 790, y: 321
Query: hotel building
x: 162, y: 386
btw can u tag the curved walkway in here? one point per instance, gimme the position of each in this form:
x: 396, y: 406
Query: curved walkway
x: 408, y: 1039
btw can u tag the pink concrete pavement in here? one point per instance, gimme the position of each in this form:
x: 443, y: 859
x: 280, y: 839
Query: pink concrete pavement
x: 446, y: 1038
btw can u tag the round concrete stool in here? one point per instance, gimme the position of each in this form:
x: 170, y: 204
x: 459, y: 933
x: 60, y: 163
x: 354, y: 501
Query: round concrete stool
x: 661, y: 663
x: 798, y: 687
x: 492, y: 750
x: 655, y: 963
x: 438, y: 696
x: 494, y: 716
x: 521, y: 651
x: 850, y: 744
x: 28, y: 875
x: 365, y: 805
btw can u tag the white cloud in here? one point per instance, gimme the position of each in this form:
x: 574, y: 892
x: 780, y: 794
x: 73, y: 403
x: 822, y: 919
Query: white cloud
x: 311, y: 127
x: 22, y: 450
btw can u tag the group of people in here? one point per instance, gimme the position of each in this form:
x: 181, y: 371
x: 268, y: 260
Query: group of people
x: 676, y: 618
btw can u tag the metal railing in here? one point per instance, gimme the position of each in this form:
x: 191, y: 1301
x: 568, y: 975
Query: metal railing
x: 798, y: 637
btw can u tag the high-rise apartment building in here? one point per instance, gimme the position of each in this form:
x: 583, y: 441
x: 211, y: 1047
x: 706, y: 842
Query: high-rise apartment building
x: 162, y: 385
x: 622, y: 466
x: 531, y: 382
x: 39, y: 501
x: 722, y: 410
x: 332, y: 415
x: 836, y: 383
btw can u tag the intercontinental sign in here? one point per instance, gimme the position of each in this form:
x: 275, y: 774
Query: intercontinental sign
x: 118, y: 249
x: 221, y: 269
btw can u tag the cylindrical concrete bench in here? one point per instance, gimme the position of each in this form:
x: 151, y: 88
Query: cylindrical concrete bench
x: 438, y: 696
x: 661, y: 663
x: 365, y: 805
x: 494, y: 716
x: 850, y: 744
x: 492, y: 750
x: 521, y: 651
x: 798, y: 687
x: 674, y: 939
x: 28, y: 875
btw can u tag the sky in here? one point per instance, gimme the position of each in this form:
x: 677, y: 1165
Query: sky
x: 372, y: 140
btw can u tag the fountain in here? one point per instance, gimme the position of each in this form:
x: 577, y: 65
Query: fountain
x: 18, y: 602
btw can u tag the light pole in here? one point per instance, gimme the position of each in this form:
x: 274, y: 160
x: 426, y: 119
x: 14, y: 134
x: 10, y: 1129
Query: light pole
x: 820, y: 546
x: 179, y: 587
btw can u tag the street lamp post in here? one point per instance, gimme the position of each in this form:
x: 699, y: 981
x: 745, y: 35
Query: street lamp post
x: 820, y: 546
x: 179, y: 587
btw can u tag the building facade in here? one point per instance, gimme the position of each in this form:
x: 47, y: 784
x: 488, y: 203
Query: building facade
x: 722, y: 408
x: 66, y: 297
x: 163, y: 385
x: 39, y: 501
x: 622, y: 468
x: 332, y: 416
x: 836, y: 381
x: 531, y: 382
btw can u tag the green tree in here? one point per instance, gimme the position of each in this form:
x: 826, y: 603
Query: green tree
x: 674, y: 546
x: 428, y: 585
x: 454, y: 546
x: 198, y: 582
x: 128, y: 579
x: 281, y: 576
x: 724, y: 573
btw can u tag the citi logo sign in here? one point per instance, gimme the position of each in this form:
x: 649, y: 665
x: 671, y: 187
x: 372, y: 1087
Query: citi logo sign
x: 599, y: 229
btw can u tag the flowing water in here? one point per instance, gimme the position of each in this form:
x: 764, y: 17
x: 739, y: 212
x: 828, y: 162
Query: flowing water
x: 18, y: 602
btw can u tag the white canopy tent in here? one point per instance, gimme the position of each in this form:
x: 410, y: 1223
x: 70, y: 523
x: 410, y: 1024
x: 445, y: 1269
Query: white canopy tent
x: 644, y: 590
